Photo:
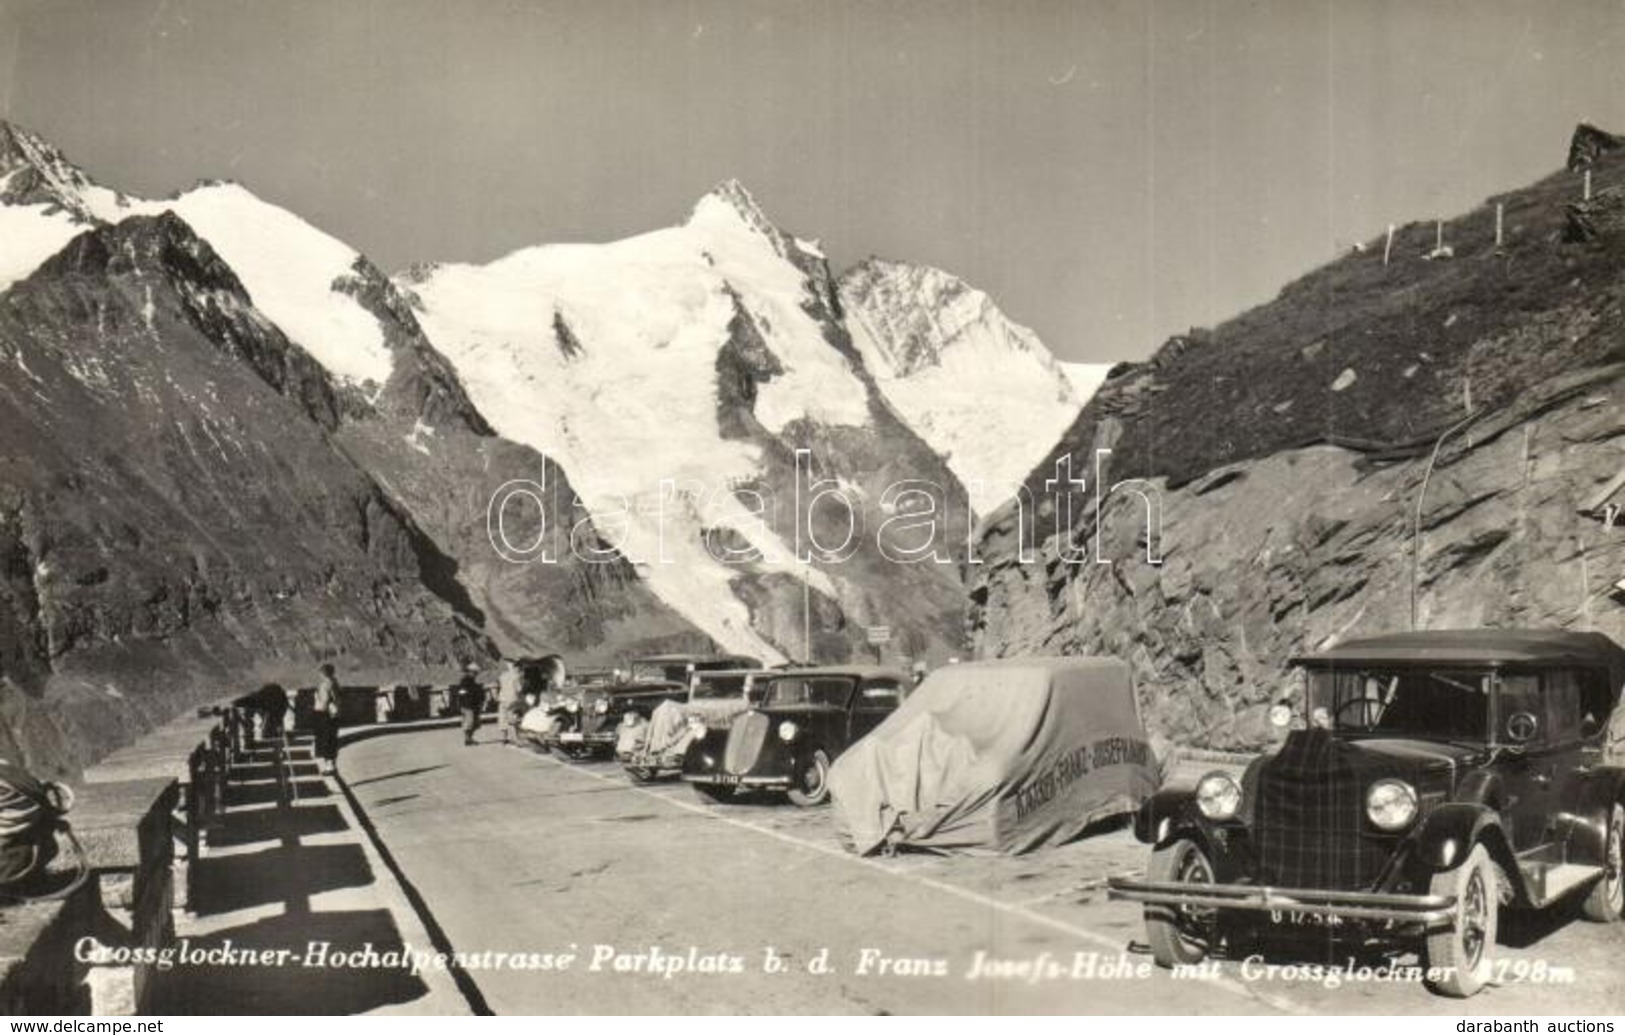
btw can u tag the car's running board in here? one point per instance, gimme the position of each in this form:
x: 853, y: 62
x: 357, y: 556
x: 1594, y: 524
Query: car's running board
x: 1549, y: 882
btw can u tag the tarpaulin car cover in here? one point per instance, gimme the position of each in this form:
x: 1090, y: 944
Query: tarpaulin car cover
x: 997, y: 756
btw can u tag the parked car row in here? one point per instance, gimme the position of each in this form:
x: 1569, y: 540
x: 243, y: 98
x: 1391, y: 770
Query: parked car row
x: 1423, y: 783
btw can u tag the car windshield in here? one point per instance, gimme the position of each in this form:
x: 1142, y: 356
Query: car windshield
x: 831, y: 692
x: 714, y: 687
x: 1439, y: 704
x: 654, y: 671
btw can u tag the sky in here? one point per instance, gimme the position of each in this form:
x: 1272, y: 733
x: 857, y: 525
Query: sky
x: 1112, y: 173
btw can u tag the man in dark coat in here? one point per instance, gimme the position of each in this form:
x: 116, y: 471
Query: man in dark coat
x: 470, y: 697
x: 324, y: 720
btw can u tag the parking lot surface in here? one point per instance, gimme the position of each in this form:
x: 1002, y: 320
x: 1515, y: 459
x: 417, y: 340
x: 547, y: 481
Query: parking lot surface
x: 565, y: 887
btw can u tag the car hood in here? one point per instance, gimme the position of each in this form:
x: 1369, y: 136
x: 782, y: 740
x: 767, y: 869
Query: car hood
x: 1415, y: 754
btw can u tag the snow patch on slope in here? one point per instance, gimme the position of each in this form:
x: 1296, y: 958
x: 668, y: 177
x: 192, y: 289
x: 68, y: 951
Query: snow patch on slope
x: 289, y: 268
x: 1086, y: 378
x: 30, y: 234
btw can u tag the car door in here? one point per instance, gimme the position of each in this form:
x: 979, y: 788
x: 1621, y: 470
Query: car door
x: 1575, y: 741
x: 1523, y: 727
x: 875, y: 699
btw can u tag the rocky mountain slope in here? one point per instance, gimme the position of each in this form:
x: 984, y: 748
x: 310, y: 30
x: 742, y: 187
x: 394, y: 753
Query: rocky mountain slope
x: 174, y: 518
x: 1292, y: 453
x: 404, y: 416
x: 675, y: 375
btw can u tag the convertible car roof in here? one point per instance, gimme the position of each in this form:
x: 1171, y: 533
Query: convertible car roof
x: 1492, y: 647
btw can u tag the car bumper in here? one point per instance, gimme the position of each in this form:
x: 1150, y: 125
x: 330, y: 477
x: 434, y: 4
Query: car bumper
x: 1432, y: 910
x: 772, y: 783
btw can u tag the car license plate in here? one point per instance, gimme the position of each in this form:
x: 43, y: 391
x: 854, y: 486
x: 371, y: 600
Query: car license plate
x: 1299, y: 918
x: 726, y: 780
x: 572, y: 738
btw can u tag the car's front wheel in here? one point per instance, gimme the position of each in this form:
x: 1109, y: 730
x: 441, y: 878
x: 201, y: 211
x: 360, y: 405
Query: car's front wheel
x: 1459, y: 959
x: 1180, y: 935
x: 811, y: 786
x: 1606, y: 900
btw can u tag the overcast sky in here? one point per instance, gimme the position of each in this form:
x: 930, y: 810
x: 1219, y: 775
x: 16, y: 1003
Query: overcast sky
x: 1111, y: 173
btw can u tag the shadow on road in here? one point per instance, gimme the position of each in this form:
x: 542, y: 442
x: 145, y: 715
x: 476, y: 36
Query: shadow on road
x: 266, y: 888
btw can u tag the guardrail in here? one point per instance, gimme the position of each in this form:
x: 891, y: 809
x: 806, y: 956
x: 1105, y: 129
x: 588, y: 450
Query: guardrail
x: 144, y: 815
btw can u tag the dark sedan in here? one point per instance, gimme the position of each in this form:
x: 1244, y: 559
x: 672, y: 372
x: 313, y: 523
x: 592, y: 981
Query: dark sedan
x: 806, y: 718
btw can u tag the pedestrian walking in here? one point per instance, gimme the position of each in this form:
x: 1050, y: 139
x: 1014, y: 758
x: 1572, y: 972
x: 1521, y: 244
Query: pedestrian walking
x: 470, y: 697
x: 324, y: 721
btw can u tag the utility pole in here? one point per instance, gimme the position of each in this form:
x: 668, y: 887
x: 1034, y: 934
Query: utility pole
x: 806, y: 613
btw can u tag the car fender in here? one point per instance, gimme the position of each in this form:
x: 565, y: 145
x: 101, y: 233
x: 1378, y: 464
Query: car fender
x: 1584, y: 826
x: 1448, y: 833
x: 1155, y: 819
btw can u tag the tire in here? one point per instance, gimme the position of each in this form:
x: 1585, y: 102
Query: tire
x: 812, y: 783
x: 1605, y: 903
x: 642, y: 774
x: 712, y: 792
x: 1463, y: 955
x: 1180, y: 935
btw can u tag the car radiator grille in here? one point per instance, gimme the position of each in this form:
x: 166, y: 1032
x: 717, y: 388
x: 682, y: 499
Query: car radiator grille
x: 1310, y: 829
x: 745, y: 739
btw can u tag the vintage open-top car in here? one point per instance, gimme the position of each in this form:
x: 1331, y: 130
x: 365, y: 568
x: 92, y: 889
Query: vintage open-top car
x: 805, y: 719
x: 592, y: 719
x: 653, y: 749
x: 1438, y: 777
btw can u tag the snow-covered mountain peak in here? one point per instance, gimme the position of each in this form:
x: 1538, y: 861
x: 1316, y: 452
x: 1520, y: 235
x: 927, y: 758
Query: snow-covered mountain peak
x: 731, y: 196
x: 917, y: 312
x: 299, y: 276
x: 45, y: 200
x: 729, y: 207
x: 34, y: 172
x: 980, y: 388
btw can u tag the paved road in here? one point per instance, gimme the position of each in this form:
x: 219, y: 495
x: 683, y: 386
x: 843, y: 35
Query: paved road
x: 520, y: 853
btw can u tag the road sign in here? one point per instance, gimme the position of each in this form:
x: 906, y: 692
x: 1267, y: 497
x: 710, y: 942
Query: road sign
x: 879, y: 634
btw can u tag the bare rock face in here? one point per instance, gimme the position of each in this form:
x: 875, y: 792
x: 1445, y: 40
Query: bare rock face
x: 1297, y: 504
x: 175, y: 522
x: 1603, y: 215
x: 1292, y: 552
x: 1590, y: 143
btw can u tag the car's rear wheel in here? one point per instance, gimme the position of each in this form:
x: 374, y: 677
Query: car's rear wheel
x: 1606, y: 900
x: 713, y: 792
x: 1459, y: 959
x: 812, y: 783
x: 1180, y: 935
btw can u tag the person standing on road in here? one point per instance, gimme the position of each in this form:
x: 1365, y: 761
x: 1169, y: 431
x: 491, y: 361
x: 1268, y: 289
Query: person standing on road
x: 324, y: 721
x: 470, y: 701
x: 509, y: 707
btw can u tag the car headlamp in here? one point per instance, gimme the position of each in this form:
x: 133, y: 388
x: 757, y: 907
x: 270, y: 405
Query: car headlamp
x: 1391, y: 804
x: 602, y: 706
x: 572, y: 706
x: 1218, y: 796
x: 788, y: 730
